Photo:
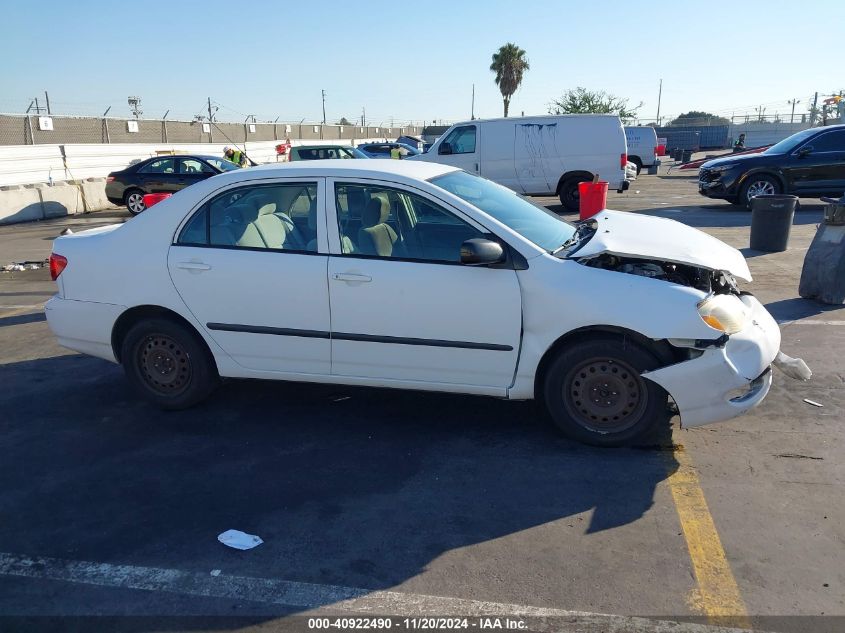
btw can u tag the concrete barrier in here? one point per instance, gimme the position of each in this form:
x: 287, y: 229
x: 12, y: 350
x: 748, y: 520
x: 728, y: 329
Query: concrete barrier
x: 60, y: 200
x: 94, y: 194
x: 20, y: 204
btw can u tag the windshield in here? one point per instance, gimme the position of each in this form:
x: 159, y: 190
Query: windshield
x: 533, y: 222
x: 222, y: 164
x: 791, y: 142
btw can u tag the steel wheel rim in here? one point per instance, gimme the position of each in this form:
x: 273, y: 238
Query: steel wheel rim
x: 760, y: 188
x: 164, y: 364
x: 135, y: 202
x: 604, y: 395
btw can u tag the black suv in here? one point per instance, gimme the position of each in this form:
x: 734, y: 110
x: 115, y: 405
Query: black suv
x: 808, y: 164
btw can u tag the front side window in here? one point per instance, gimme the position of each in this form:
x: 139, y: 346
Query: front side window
x: 160, y: 166
x: 392, y: 223
x: 461, y: 140
x: 222, y: 164
x: 533, y: 222
x: 194, y: 166
x: 829, y: 142
x: 273, y: 217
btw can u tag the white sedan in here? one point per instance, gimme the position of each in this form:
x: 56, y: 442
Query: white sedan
x: 419, y: 276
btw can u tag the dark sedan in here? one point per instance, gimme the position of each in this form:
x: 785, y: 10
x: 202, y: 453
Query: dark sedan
x: 162, y: 174
x: 808, y: 164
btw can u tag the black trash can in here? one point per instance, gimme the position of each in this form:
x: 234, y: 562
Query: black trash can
x: 678, y: 154
x: 771, y: 221
x: 687, y: 156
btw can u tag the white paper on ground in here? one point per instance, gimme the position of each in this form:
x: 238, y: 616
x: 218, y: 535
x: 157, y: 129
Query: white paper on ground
x: 239, y: 540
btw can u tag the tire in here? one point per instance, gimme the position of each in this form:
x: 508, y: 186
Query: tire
x: 595, y: 394
x: 568, y: 194
x: 756, y: 185
x: 134, y: 201
x: 636, y: 160
x: 168, y: 364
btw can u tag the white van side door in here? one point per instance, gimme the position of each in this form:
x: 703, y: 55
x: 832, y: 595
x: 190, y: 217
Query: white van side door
x: 461, y: 148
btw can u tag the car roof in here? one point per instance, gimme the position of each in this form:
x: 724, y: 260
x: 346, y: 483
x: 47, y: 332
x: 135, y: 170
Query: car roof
x: 339, y: 168
x: 200, y: 156
x: 323, y: 146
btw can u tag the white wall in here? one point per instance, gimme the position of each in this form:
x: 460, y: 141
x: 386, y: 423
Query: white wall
x: 30, y: 164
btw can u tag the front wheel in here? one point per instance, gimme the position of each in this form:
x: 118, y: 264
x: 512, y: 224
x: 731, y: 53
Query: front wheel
x: 758, y: 186
x: 168, y: 364
x: 595, y: 394
x: 134, y: 201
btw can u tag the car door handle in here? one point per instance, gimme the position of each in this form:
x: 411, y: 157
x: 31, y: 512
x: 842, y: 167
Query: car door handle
x: 197, y: 266
x: 352, y: 277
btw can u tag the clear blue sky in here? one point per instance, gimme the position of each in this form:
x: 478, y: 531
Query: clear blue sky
x: 412, y: 60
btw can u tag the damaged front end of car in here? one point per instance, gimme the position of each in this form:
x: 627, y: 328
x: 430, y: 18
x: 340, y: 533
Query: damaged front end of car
x: 713, y: 378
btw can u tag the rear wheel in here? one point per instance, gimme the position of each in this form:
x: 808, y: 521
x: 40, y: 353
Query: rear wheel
x: 134, y: 201
x: 636, y: 160
x: 168, y: 364
x: 569, y: 196
x: 758, y: 186
x: 595, y: 394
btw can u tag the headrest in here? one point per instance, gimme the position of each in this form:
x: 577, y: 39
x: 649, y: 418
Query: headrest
x: 242, y: 213
x: 377, y: 212
x: 312, y: 215
x: 355, y: 200
x: 267, y: 209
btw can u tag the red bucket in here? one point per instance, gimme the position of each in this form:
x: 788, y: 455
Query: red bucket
x: 154, y: 198
x: 593, y: 198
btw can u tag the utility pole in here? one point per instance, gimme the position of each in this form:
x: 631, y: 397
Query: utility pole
x: 793, y: 102
x: 472, y: 114
x: 135, y: 106
x: 659, y: 98
x: 210, y: 122
x: 814, y: 110
x: 324, y: 106
x: 47, y: 98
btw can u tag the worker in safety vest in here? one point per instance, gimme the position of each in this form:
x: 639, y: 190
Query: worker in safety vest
x: 394, y: 152
x: 739, y: 145
x: 235, y: 156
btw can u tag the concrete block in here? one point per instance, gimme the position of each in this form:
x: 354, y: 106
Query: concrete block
x: 60, y: 200
x: 20, y: 204
x: 94, y: 194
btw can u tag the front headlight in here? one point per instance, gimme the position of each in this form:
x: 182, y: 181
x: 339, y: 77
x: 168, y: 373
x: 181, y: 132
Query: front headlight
x: 721, y: 168
x: 725, y: 313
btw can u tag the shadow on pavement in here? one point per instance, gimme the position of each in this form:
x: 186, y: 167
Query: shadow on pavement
x: 798, y: 308
x: 349, y: 486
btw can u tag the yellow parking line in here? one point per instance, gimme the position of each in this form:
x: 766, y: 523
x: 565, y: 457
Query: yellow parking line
x: 717, y: 594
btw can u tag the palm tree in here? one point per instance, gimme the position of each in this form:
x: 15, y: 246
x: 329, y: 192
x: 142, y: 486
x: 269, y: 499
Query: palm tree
x: 509, y: 64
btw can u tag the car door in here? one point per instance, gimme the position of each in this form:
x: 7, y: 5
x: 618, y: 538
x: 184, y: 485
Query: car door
x: 160, y: 176
x: 403, y: 306
x: 461, y: 149
x: 192, y: 171
x: 255, y: 284
x: 817, y: 167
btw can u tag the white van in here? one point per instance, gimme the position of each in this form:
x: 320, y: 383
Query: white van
x: 538, y: 156
x: 642, y: 146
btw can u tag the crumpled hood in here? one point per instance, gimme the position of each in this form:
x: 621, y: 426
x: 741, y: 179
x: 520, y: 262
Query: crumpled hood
x: 649, y: 237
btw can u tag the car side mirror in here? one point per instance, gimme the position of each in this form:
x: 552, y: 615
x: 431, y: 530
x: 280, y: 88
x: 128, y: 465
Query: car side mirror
x: 445, y: 148
x: 481, y: 252
x: 805, y: 151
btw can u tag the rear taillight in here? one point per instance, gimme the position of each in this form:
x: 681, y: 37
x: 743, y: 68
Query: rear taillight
x: 109, y: 178
x: 57, y: 264
x: 623, y: 160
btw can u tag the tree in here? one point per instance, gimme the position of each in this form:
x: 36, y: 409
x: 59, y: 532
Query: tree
x: 509, y: 64
x: 696, y: 117
x: 344, y: 121
x: 583, y: 101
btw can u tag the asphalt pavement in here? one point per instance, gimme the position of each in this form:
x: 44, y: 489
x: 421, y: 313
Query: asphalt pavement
x: 390, y: 502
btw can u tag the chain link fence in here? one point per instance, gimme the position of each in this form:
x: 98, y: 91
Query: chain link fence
x: 17, y: 129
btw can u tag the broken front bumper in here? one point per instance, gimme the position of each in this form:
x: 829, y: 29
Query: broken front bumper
x: 724, y: 382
